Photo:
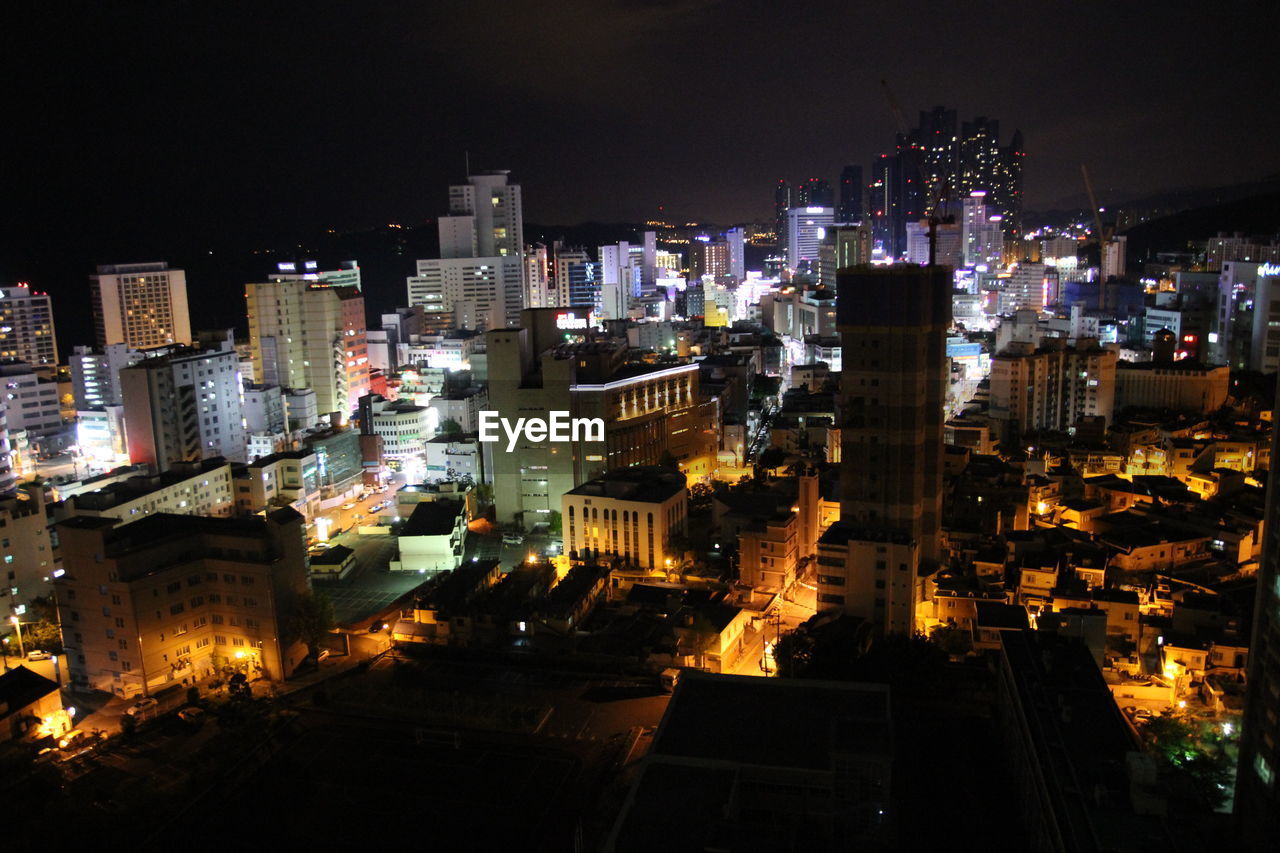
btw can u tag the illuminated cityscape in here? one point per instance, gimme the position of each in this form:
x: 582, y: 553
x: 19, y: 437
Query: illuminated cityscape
x: 676, y: 426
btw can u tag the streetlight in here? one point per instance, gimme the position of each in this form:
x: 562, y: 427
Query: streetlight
x: 18, y: 627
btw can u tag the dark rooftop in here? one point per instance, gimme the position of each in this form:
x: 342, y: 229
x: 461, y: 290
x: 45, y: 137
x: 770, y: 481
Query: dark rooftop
x: 433, y: 518
x: 646, y: 484
x: 19, y: 687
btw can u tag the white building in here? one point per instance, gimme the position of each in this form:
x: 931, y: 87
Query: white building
x: 142, y: 305
x: 481, y: 293
x: 264, y: 409
x: 982, y: 237
x: 183, y: 404
x: 95, y: 375
x: 403, y: 428
x: 806, y: 226
x: 33, y: 405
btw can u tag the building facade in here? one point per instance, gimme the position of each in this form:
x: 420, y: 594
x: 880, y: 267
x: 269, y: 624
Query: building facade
x: 141, y: 305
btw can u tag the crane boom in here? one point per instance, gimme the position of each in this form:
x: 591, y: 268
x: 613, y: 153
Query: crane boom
x: 1093, y: 203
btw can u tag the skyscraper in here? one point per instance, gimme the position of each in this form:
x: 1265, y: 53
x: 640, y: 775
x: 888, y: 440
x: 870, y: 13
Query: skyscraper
x: 781, y: 204
x: 480, y: 274
x: 142, y: 305
x: 850, y: 206
x: 26, y: 327
x: 893, y: 323
x: 815, y: 192
x: 736, y: 238
x: 806, y: 226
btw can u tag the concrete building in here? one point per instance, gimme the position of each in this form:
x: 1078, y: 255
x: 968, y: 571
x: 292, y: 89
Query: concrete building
x: 30, y: 706
x: 95, y: 374
x: 141, y: 305
x: 1248, y: 321
x: 893, y: 323
x: 27, y: 559
x: 806, y: 226
x: 182, y: 404
x: 264, y: 409
x: 433, y: 538
x: 1181, y: 385
x: 629, y: 514
x: 26, y: 327
x: 187, y: 488
x: 1055, y: 387
x: 173, y: 599
x: 480, y: 292
x: 289, y: 479
x: 33, y: 405
x: 306, y: 334
x: 403, y: 428
x: 647, y: 410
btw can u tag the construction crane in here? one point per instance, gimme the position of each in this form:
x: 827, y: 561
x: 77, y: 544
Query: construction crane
x: 939, y: 191
x: 1103, y: 236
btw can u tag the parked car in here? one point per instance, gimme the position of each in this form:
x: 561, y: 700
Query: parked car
x: 38, y: 654
x: 144, y: 707
x: 192, y: 717
x: 348, y: 506
x: 512, y: 539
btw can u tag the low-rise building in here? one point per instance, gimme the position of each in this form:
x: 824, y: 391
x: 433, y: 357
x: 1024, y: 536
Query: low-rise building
x: 433, y: 538
x: 629, y: 514
x: 176, y: 599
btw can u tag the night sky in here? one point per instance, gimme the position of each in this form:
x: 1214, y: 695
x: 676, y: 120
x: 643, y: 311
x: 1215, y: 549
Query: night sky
x: 148, y: 123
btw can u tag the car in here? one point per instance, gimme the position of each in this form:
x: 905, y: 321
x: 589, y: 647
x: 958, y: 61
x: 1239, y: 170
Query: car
x: 143, y: 707
x: 324, y: 653
x: 38, y: 654
x: 193, y: 716
x: 377, y: 626
x: 348, y: 506
x: 512, y: 539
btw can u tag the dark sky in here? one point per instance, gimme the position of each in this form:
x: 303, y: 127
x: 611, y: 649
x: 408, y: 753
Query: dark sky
x: 178, y: 119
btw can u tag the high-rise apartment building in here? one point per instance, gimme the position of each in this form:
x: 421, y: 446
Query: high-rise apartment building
x: 708, y: 256
x: 480, y: 274
x: 815, y: 192
x: 1248, y: 317
x: 183, y: 405
x: 1054, y: 386
x: 306, y: 334
x: 1257, y: 790
x: 982, y: 233
x: 171, y: 599
x: 142, y: 305
x: 26, y: 327
x: 893, y: 323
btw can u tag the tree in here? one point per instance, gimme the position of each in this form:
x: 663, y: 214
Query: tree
x: 555, y: 523
x: 313, y: 617
x: 953, y: 640
x: 449, y: 426
x: 700, y: 496
x: 42, y: 631
x: 483, y: 493
x: 772, y: 458
x: 1197, y: 765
